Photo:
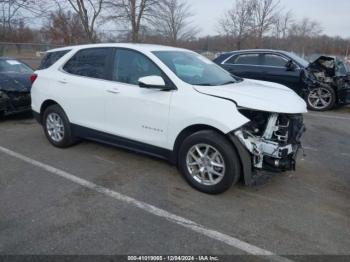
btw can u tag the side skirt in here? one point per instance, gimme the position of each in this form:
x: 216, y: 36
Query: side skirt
x: 112, y: 140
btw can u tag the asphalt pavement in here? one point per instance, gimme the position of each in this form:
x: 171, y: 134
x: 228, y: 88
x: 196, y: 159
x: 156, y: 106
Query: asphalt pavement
x: 306, y: 212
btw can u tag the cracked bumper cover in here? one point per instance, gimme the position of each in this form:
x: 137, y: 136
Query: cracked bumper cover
x: 262, y: 154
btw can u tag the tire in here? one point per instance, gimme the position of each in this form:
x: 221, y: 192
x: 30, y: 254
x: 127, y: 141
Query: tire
x: 322, y: 98
x: 64, y: 137
x: 197, y: 174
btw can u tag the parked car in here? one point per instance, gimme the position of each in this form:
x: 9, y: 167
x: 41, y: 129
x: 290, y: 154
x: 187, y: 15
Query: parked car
x: 14, y: 86
x: 170, y: 103
x: 323, y: 83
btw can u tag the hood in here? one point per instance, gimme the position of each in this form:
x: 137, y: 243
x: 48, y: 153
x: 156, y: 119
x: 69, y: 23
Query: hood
x: 15, y: 82
x: 331, y: 65
x: 258, y: 95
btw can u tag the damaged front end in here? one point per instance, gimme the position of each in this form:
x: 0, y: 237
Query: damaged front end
x: 14, y: 96
x: 272, y: 139
x: 332, y: 72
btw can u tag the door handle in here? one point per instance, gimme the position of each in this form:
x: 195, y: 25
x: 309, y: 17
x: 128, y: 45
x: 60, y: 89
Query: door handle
x: 113, y: 91
x: 62, y: 81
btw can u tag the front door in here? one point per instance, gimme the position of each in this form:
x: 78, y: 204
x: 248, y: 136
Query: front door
x: 132, y: 112
x: 275, y: 70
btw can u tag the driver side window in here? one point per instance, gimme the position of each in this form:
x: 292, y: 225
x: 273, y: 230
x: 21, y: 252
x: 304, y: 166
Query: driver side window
x: 130, y: 66
x: 274, y: 60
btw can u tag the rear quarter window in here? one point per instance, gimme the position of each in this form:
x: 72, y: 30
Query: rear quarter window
x: 51, y: 58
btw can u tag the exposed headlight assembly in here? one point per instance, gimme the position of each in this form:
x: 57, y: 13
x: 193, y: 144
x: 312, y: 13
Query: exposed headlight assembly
x: 273, y: 139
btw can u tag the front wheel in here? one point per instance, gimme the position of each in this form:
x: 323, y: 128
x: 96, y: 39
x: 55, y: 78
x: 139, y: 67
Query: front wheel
x: 321, y: 98
x: 209, y: 162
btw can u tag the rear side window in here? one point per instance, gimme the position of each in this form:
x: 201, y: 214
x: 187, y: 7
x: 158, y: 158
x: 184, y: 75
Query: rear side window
x: 246, y: 59
x: 51, y: 58
x: 274, y: 60
x: 92, y: 62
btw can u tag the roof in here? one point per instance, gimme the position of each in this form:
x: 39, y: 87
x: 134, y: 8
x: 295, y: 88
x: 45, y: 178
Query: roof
x: 259, y: 50
x: 139, y: 47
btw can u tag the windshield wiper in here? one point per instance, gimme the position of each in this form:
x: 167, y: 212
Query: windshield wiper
x: 204, y: 84
x: 229, y: 82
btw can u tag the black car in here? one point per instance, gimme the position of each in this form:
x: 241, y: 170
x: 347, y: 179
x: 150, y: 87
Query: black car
x: 15, y: 84
x: 323, y: 83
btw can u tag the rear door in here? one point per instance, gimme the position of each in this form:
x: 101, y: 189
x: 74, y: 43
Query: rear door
x: 275, y: 70
x: 82, y: 86
x: 246, y: 65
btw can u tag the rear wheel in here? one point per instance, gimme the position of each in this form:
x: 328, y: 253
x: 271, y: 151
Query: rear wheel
x: 57, y: 127
x: 209, y: 162
x: 321, y: 98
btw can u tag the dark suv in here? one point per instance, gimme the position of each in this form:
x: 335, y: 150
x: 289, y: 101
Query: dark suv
x: 320, y: 83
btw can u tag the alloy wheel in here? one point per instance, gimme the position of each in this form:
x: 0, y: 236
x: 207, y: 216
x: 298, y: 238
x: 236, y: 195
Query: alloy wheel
x: 320, y: 98
x: 205, y: 164
x: 55, y: 127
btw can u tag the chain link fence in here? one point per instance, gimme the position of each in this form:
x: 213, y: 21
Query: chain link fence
x: 31, y: 53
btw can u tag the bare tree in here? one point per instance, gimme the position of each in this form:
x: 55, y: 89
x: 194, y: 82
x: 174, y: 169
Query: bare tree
x: 265, y: 13
x: 301, y: 34
x: 63, y: 27
x: 306, y: 28
x: 237, y: 22
x: 173, y: 21
x: 13, y: 13
x: 133, y: 13
x: 88, y: 12
x: 282, y: 25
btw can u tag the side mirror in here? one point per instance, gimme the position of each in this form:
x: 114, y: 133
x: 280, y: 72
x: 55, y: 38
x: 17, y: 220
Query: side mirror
x: 155, y: 82
x: 290, y: 65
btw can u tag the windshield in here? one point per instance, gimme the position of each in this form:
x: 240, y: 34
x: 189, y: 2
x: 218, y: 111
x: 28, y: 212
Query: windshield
x: 195, y: 69
x: 14, y: 66
x: 299, y: 60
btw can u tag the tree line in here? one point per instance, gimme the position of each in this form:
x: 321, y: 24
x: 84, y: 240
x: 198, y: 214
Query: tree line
x: 247, y: 24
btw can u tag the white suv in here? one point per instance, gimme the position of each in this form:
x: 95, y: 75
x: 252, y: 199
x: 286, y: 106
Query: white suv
x: 170, y: 103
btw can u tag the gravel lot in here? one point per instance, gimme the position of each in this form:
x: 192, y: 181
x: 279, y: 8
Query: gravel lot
x: 301, y: 213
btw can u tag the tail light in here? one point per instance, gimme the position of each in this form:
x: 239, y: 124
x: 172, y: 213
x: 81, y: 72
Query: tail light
x: 33, y: 77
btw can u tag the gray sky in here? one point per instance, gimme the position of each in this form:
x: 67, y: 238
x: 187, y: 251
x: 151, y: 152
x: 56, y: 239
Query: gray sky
x: 334, y: 15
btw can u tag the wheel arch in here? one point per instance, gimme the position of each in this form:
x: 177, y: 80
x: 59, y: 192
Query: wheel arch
x: 44, y: 106
x: 244, y: 158
x: 187, y: 132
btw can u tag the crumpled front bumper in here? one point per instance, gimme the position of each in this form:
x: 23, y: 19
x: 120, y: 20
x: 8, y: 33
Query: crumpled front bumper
x: 14, y: 102
x: 269, y: 155
x: 269, y: 152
